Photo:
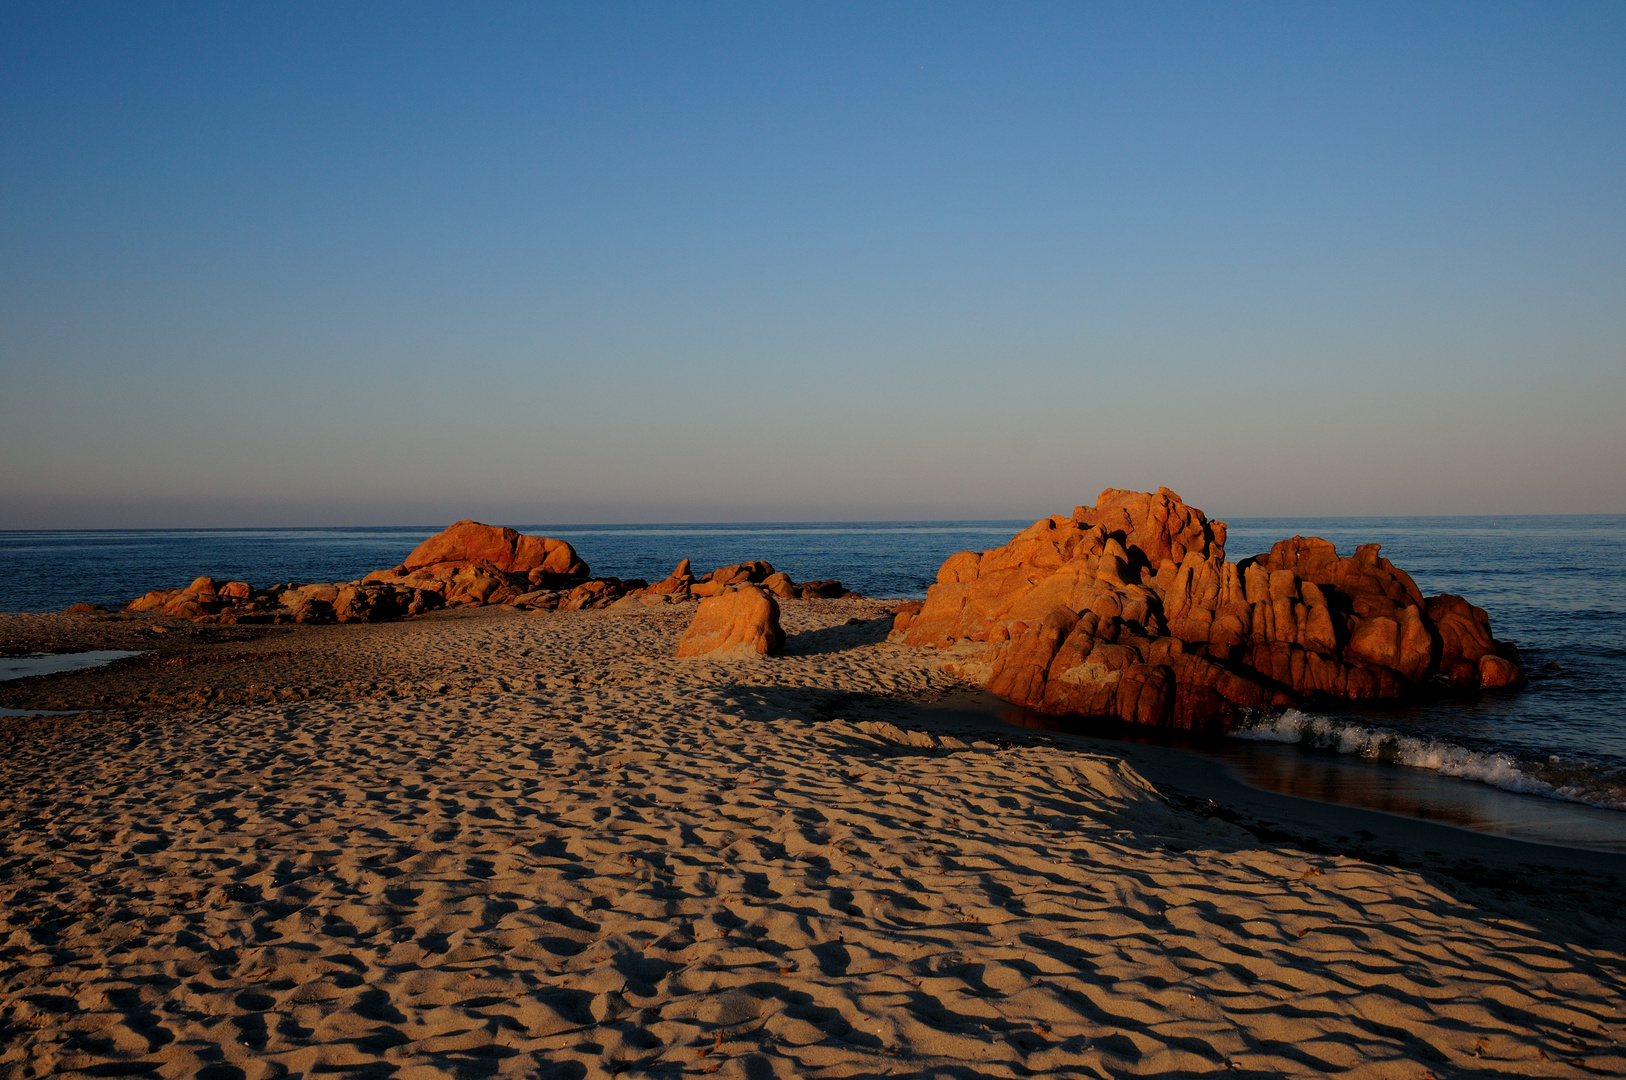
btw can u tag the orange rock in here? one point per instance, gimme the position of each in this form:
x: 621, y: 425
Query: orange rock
x: 1375, y: 641
x: 905, y: 614
x: 753, y: 572
x: 743, y: 621
x: 190, y: 605
x: 1019, y: 674
x: 466, y: 564
x: 474, y: 585
x: 1140, y: 616
x: 1465, y: 636
x: 507, y: 550
x: 780, y: 585
x: 1495, y: 672
x: 588, y: 594
x: 676, y: 583
x: 1364, y: 573
x: 295, y: 595
x: 1156, y: 528
x: 152, y: 601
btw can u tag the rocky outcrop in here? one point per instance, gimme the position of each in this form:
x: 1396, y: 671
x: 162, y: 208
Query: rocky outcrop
x: 238, y: 602
x: 1129, y: 609
x: 747, y: 573
x: 678, y: 582
x: 470, y: 564
x: 466, y: 565
x: 741, y: 620
x: 759, y: 572
x: 506, y: 551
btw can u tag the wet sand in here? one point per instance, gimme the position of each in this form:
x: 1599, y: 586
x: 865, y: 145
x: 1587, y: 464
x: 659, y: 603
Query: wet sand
x: 487, y: 843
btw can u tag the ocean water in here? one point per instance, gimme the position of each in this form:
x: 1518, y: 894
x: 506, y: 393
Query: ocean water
x: 46, y: 571
x: 1554, y: 585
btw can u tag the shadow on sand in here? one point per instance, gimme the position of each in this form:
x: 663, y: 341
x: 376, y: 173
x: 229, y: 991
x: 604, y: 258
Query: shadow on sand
x: 1499, y: 876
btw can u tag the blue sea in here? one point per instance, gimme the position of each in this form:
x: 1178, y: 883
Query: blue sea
x: 1554, y: 585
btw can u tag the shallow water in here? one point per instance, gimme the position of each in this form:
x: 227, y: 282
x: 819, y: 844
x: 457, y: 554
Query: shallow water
x: 21, y: 667
x: 1428, y: 796
x: 1554, y: 585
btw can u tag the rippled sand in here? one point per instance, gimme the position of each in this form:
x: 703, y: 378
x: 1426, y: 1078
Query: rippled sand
x: 539, y: 846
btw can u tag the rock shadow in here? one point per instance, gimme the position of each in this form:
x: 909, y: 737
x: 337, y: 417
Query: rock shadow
x: 853, y: 634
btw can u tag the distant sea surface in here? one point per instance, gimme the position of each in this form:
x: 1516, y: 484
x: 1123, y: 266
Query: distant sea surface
x: 1554, y: 585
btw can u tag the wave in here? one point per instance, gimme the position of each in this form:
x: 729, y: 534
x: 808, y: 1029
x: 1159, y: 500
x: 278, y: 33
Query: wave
x: 1570, y: 780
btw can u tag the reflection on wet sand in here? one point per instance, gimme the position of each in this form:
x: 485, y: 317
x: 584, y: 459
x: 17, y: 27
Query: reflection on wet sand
x: 23, y: 667
x: 1392, y: 789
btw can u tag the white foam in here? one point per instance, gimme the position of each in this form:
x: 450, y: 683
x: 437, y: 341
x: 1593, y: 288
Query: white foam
x: 1447, y: 759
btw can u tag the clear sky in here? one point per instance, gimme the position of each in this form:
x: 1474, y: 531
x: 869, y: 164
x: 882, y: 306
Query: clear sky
x: 356, y: 264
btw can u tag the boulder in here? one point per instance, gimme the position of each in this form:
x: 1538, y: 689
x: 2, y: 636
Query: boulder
x: 467, y: 543
x: 314, y: 610
x: 371, y: 603
x: 1129, y: 609
x: 152, y: 601
x: 1495, y: 672
x: 294, y: 596
x: 780, y: 585
x: 741, y: 621
x: 589, y: 594
x: 746, y: 573
x: 905, y: 614
x: 1465, y: 638
x: 677, y: 582
x: 472, y: 585
x: 190, y: 604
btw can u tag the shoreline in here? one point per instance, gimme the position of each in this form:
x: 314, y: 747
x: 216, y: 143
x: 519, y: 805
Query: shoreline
x: 1204, y: 784
x: 515, y: 840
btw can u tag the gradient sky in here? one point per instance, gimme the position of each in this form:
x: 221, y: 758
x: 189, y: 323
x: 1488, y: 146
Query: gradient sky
x: 355, y: 264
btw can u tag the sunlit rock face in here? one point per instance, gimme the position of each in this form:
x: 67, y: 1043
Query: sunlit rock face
x: 1129, y: 609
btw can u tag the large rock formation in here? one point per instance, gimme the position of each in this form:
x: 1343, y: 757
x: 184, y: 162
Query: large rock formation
x: 742, y: 620
x: 473, y: 564
x: 1129, y: 609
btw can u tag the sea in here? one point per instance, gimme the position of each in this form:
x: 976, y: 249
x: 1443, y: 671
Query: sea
x: 1544, y: 763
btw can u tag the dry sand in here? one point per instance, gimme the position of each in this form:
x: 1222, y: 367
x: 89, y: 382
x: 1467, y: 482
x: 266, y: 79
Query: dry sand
x: 493, y: 844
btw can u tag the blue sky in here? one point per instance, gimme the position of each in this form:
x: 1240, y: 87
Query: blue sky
x: 355, y: 264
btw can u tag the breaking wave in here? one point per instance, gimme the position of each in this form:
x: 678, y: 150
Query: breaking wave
x: 1570, y: 780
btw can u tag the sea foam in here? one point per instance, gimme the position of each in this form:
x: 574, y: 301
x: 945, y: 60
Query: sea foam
x: 1570, y: 781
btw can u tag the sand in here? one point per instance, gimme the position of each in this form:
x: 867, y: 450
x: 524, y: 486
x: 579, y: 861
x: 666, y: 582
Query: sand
x: 496, y: 844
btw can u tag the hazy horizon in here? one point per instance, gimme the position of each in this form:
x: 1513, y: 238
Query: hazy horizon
x: 289, y: 265
x: 428, y: 527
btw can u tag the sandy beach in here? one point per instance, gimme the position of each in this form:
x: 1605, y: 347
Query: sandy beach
x: 487, y: 843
